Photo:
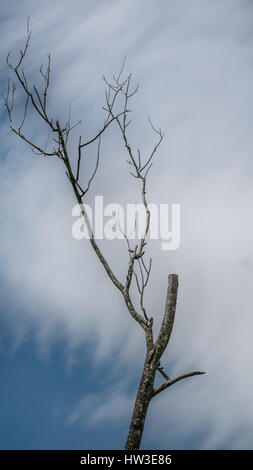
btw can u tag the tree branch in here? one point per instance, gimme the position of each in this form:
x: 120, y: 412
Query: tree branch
x: 168, y: 318
x: 173, y: 381
x: 162, y: 372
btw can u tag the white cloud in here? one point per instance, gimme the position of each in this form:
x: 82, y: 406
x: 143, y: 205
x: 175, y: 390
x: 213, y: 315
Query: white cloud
x: 113, y: 405
x: 194, y: 64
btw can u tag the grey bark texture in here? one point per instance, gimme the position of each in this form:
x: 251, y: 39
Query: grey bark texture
x: 154, y: 352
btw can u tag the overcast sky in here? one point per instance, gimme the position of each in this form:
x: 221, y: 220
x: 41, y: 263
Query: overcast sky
x: 71, y: 356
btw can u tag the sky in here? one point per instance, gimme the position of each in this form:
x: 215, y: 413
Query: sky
x: 70, y: 354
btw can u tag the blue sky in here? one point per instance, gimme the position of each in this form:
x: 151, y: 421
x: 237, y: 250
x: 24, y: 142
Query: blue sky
x: 70, y: 354
x: 37, y: 399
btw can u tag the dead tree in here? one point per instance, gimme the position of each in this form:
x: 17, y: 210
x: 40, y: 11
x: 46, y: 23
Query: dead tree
x: 118, y: 93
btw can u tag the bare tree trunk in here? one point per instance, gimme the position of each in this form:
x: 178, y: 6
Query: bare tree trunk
x: 142, y: 401
x: 154, y: 353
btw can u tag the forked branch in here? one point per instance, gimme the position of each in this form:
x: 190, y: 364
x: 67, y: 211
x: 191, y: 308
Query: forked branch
x: 173, y: 381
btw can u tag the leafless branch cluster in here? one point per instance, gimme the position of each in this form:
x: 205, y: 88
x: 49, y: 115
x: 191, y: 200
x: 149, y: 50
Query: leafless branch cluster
x: 117, y: 97
x: 139, y: 170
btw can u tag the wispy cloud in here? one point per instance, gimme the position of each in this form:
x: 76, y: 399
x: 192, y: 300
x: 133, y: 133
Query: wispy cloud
x: 194, y: 64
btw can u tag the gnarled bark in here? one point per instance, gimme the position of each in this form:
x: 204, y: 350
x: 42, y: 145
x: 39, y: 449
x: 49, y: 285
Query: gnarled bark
x: 153, y: 356
x: 142, y: 401
x: 152, y: 363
